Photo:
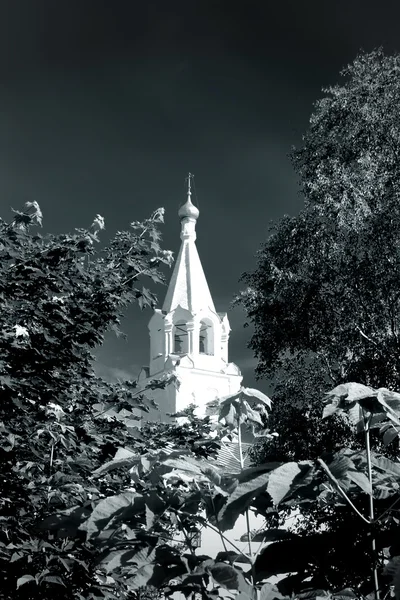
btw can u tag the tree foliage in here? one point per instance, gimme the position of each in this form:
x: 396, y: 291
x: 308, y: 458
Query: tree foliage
x: 93, y: 506
x: 323, y: 300
x: 58, y: 297
x: 326, y: 283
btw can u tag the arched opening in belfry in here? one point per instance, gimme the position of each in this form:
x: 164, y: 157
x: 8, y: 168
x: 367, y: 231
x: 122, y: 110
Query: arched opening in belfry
x: 206, y: 337
x: 181, y: 338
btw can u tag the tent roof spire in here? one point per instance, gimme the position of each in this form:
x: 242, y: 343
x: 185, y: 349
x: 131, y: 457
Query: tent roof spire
x: 188, y: 287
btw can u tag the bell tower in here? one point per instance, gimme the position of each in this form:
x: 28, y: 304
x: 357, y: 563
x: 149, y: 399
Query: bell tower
x: 188, y: 337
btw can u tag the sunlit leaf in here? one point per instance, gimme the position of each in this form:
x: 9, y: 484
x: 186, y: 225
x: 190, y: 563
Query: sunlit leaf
x: 269, y: 591
x: 24, y: 579
x: 229, y: 577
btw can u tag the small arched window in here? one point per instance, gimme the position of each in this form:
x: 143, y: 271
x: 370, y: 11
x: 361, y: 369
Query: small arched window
x: 181, y: 341
x: 206, y: 337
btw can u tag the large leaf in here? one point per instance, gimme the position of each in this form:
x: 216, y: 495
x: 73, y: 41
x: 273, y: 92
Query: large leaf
x: 291, y: 556
x: 361, y: 480
x: 354, y: 398
x: 116, y: 559
x: 351, y: 392
x: 107, y: 509
x: 252, y: 472
x: 54, y: 579
x: 228, y: 412
x: 281, y: 479
x: 391, y: 400
x: 305, y: 486
x: 188, y: 466
x: 66, y: 523
x: 239, y: 407
x: 117, y: 463
x: 344, y: 594
x: 330, y: 408
x: 155, y: 506
x: 269, y: 591
x: 340, y: 466
x: 24, y: 579
x: 240, y: 500
x: 256, y: 395
x: 386, y: 465
x: 143, y: 564
x: 230, y: 577
x: 390, y: 435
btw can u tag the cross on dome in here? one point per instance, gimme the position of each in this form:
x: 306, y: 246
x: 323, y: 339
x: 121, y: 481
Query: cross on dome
x: 189, y: 210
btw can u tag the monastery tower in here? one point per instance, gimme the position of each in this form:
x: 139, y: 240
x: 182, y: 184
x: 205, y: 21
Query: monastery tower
x: 188, y: 337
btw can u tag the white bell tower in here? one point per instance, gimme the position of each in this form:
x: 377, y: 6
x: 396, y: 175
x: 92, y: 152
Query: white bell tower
x: 188, y: 337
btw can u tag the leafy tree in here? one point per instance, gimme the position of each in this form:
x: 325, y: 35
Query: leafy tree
x: 324, y: 299
x: 58, y: 297
x: 326, y: 283
x: 300, y: 387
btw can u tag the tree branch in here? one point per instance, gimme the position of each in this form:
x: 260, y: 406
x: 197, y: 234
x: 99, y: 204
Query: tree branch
x: 365, y: 336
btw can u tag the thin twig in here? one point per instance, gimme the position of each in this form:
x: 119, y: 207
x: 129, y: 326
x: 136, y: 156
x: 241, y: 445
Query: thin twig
x: 51, y: 455
x: 341, y: 491
x: 253, y: 571
x: 188, y: 540
x: 387, y: 510
x: 247, y: 510
x: 207, y: 524
x: 134, y: 276
x: 230, y: 452
x: 371, y: 500
x: 333, y: 378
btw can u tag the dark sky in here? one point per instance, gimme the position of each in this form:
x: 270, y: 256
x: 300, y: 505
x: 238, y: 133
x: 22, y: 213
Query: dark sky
x: 106, y: 105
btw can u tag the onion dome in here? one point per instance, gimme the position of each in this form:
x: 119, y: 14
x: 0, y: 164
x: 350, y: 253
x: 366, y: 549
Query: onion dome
x: 188, y: 210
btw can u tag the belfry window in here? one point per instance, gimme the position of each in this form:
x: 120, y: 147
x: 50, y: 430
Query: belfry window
x: 181, y: 340
x: 206, y: 341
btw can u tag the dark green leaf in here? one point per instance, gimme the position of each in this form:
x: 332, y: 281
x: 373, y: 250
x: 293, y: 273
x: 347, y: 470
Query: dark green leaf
x: 390, y: 435
x: 229, y: 577
x: 280, y: 481
x: 53, y: 579
x: 105, y: 510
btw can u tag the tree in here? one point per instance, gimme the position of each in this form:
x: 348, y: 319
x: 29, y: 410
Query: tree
x: 326, y: 283
x: 324, y: 298
x: 298, y: 404
x: 58, y: 297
